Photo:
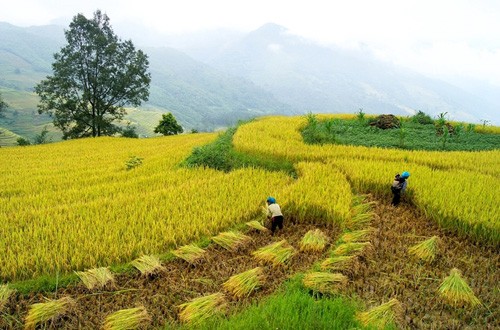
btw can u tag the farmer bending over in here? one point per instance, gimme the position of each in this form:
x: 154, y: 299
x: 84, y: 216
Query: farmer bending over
x: 398, y: 187
x: 274, y: 213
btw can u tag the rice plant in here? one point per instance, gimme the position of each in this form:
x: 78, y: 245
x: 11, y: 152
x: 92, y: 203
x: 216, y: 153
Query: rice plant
x: 125, y: 319
x: 243, y: 284
x: 324, y: 282
x: 47, y: 311
x: 351, y: 248
x: 277, y: 253
x: 456, y: 291
x: 5, y: 293
x: 381, y: 316
x: 96, y: 277
x: 202, y: 308
x: 230, y: 240
x: 341, y: 263
x: 256, y: 225
x: 426, y: 250
x: 191, y: 253
x: 314, y: 240
x: 147, y: 264
x: 355, y: 236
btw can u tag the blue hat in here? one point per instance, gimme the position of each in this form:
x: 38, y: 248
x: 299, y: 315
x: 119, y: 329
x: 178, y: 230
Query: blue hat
x: 405, y: 175
x: 271, y: 200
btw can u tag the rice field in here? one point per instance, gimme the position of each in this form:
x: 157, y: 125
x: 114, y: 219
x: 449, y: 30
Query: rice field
x: 79, y: 207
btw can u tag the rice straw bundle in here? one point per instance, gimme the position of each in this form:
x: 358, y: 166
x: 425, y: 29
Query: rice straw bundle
x: 277, y: 253
x: 426, y: 250
x: 191, y: 253
x: 379, y: 317
x: 47, y: 311
x: 230, y: 240
x: 131, y: 318
x: 243, y: 284
x: 147, y: 264
x: 202, y: 308
x: 96, y: 277
x: 314, y: 240
x: 456, y: 291
x: 350, y: 248
x: 5, y: 293
x: 256, y: 225
x: 324, y: 282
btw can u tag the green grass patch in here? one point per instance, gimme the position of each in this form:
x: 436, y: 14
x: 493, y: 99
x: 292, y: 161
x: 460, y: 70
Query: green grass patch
x: 412, y: 135
x: 290, y: 308
x: 220, y: 155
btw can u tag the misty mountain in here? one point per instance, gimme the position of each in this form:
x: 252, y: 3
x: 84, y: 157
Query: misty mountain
x: 310, y: 77
x: 198, y: 95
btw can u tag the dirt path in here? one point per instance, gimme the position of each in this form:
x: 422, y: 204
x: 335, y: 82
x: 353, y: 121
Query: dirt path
x: 391, y: 272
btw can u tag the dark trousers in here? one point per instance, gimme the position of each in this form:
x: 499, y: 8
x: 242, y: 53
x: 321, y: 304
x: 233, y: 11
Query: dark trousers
x: 276, y: 221
x: 396, y: 196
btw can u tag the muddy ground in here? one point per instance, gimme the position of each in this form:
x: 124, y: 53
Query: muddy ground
x: 387, y: 271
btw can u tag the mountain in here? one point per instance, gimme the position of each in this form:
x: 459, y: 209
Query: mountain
x: 200, y: 96
x: 311, y: 77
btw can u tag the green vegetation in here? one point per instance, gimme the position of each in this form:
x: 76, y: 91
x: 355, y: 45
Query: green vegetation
x: 411, y: 135
x: 220, y: 155
x: 280, y: 311
x: 94, y: 76
x: 168, y: 125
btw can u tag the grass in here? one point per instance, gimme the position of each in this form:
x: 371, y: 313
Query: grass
x: 245, y: 283
x: 416, y: 136
x: 455, y: 291
x: 48, y: 311
x: 292, y: 307
x: 131, y: 318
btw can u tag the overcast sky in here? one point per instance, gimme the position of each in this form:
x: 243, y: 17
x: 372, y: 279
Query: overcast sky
x: 436, y: 37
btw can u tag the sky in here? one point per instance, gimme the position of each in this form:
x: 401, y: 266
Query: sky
x: 439, y: 38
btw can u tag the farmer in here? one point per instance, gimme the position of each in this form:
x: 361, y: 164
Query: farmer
x: 399, y: 186
x: 274, y: 213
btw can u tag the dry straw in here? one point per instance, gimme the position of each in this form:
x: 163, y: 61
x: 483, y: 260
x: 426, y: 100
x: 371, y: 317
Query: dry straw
x: 191, y: 253
x: 231, y: 240
x: 5, y: 293
x: 47, y: 311
x: 96, y: 277
x: 314, y: 240
x: 379, y: 317
x: 131, y: 318
x: 426, y: 250
x: 245, y: 283
x: 456, y: 291
x: 341, y: 263
x: 324, y: 282
x: 256, y: 225
x: 147, y: 265
x: 202, y: 308
x: 350, y: 248
x: 277, y: 253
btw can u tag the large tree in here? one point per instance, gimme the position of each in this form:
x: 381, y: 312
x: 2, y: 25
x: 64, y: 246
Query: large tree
x: 94, y: 76
x: 3, y: 106
x: 168, y: 125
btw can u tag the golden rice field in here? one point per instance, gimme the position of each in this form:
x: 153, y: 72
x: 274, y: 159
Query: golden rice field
x: 459, y: 190
x: 73, y: 205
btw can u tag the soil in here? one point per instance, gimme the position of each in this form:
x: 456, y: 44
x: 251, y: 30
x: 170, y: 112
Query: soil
x: 386, y: 271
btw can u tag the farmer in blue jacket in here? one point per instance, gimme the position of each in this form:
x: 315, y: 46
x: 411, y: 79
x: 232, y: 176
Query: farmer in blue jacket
x: 399, y: 186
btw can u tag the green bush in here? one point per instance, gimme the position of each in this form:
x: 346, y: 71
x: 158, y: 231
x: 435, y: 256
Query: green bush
x: 422, y: 118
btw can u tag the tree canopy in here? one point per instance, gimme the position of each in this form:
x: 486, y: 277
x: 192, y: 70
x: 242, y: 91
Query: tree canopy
x: 3, y: 105
x: 168, y: 125
x: 94, y: 76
